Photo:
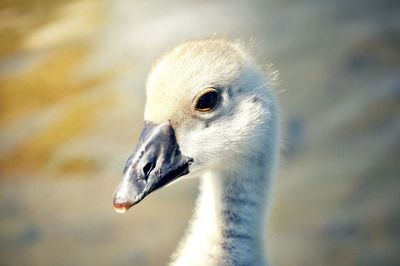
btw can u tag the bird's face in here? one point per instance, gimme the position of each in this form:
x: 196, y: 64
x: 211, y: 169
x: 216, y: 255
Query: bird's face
x: 206, y: 108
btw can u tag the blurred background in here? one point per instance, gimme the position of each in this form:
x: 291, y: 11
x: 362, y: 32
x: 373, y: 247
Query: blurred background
x: 72, y: 77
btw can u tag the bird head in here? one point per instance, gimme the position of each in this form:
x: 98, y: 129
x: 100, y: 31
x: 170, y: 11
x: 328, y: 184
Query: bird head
x: 207, y: 108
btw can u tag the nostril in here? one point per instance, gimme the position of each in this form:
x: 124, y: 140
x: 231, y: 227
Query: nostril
x: 147, y: 169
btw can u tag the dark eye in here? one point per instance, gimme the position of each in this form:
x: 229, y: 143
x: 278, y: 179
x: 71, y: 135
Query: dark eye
x: 206, y: 100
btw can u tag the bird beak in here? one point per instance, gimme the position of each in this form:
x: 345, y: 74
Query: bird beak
x: 156, y: 162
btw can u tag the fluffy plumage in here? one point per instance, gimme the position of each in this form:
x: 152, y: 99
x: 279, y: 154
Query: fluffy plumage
x: 235, y: 147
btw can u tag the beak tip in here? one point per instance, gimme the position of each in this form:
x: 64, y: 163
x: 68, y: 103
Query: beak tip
x: 120, y: 210
x: 121, y: 206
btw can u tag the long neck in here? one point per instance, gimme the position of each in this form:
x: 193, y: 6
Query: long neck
x: 228, y: 224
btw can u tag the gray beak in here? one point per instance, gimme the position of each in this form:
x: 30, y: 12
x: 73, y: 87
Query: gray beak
x: 156, y: 162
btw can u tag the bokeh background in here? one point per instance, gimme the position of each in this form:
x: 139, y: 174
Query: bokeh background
x: 72, y: 77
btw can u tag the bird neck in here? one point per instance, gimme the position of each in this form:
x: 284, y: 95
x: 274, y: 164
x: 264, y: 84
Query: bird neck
x: 228, y: 224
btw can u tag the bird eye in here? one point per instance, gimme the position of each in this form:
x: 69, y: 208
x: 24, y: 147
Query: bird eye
x: 206, y: 100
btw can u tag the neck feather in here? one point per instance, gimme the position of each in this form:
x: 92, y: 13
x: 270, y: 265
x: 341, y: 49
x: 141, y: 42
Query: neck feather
x: 229, y: 221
